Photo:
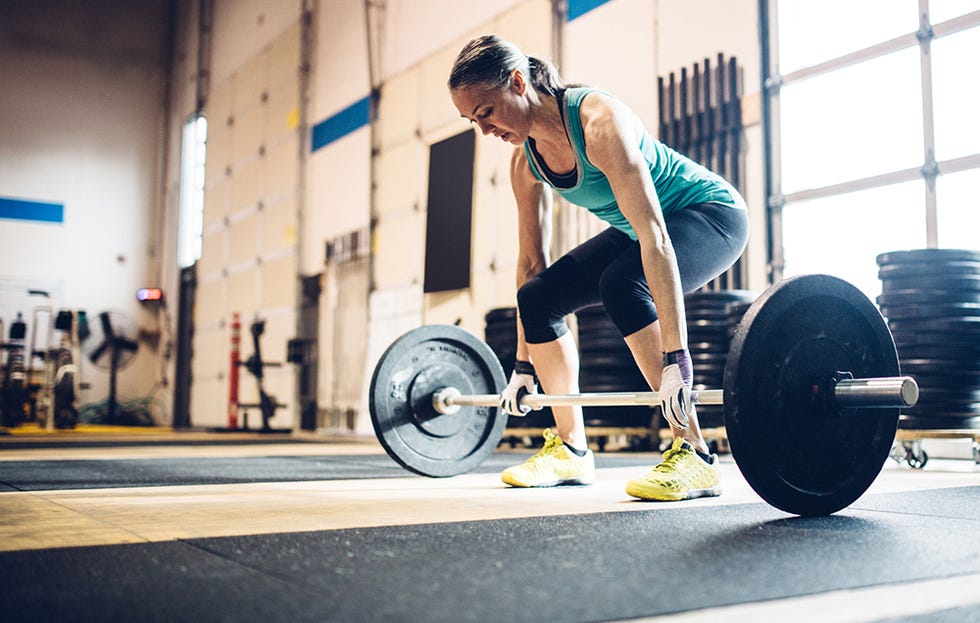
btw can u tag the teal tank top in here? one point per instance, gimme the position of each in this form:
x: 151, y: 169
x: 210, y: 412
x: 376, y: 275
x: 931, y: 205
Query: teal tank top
x: 678, y: 180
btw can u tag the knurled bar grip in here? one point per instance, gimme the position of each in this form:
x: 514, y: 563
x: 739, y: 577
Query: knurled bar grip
x: 882, y: 392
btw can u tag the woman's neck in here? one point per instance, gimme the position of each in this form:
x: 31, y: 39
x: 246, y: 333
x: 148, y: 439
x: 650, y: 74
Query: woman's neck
x: 547, y: 124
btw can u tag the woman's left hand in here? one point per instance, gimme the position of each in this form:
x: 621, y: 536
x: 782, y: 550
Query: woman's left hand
x: 675, y: 397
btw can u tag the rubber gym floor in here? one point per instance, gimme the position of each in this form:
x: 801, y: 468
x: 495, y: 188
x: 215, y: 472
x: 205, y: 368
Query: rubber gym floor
x: 162, y: 526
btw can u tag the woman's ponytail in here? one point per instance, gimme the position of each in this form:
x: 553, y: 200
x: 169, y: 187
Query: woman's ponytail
x: 544, y: 76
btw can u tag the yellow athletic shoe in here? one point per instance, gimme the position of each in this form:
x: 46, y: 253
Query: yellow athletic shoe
x: 553, y: 465
x: 682, y: 475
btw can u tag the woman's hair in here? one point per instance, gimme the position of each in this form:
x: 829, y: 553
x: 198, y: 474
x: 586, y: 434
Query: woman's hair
x: 489, y: 61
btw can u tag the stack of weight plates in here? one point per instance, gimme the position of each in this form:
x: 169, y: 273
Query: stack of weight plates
x: 708, y: 338
x: 607, y: 366
x: 931, y: 299
x: 501, y: 336
x: 735, y: 313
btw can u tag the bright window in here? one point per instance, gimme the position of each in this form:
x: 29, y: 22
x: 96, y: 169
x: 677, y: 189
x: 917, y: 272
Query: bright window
x: 860, y: 121
x: 191, y: 221
x: 956, y: 94
x: 842, y: 235
x: 942, y: 10
x: 814, y: 32
x: 854, y: 175
x: 959, y: 209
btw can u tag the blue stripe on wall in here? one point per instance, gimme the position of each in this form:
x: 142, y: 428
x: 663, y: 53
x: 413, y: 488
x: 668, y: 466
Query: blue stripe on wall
x: 578, y: 8
x: 25, y: 210
x: 354, y: 117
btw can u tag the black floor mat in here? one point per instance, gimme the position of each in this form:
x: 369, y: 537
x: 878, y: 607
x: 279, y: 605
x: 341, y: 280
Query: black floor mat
x: 97, y: 474
x: 574, y: 568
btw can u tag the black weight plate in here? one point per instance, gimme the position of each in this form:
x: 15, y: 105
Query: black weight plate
x: 594, y: 313
x: 500, y: 314
x: 711, y: 370
x: 929, y: 268
x: 941, y: 378
x: 951, y: 354
x: 947, y: 366
x: 937, y: 310
x: 720, y: 296
x: 919, y: 256
x: 964, y: 421
x: 712, y: 381
x: 708, y: 359
x: 609, y: 361
x: 716, y: 324
x: 719, y: 334
x: 618, y: 417
x: 711, y: 316
x: 595, y: 331
x: 801, y: 454
x: 588, y: 383
x: 966, y: 394
x: 926, y: 296
x: 915, y: 366
x: 956, y: 283
x: 602, y: 376
x: 966, y: 325
x: 927, y: 338
x: 720, y: 348
x: 502, y: 326
x: 945, y: 382
x: 411, y: 369
x: 618, y: 387
x: 945, y: 409
x: 954, y: 353
x: 501, y: 340
x: 735, y: 317
x: 710, y: 416
x: 605, y: 344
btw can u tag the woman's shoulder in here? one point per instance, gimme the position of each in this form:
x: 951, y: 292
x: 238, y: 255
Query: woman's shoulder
x: 599, y: 110
x: 576, y: 95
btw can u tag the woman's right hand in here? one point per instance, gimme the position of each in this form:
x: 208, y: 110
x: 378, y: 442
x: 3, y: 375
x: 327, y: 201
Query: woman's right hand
x: 523, y: 381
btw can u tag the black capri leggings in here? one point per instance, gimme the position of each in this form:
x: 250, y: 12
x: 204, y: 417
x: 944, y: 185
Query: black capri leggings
x: 707, y: 239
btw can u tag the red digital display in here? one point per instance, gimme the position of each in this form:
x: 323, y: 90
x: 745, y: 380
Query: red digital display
x: 147, y: 295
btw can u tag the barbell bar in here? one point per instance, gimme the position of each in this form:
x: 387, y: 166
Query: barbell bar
x: 873, y: 393
x: 811, y: 396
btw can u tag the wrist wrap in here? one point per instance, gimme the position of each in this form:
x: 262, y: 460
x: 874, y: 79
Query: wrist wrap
x: 683, y: 360
x: 524, y: 367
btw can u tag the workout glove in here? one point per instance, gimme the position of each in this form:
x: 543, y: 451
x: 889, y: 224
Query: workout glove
x: 675, y: 388
x: 522, y: 381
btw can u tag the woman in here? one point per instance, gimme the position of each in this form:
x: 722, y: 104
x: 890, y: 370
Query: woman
x: 674, y: 227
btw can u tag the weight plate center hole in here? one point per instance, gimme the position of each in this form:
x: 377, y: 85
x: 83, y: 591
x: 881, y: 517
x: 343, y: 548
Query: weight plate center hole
x: 813, y: 422
x: 420, y: 392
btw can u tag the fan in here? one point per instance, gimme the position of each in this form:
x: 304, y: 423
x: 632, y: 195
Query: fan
x: 107, y: 344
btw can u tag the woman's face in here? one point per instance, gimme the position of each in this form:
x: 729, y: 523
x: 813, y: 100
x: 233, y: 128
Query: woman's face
x: 500, y: 111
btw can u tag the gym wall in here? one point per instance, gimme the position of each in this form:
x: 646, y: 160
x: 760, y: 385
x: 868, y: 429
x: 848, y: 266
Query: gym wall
x: 81, y: 118
x: 250, y: 248
x: 338, y: 205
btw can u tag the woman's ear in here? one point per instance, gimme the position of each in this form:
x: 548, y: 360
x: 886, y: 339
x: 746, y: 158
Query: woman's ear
x: 518, y: 82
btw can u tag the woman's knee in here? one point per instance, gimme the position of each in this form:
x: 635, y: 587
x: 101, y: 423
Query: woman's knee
x: 540, y: 317
x: 628, y: 302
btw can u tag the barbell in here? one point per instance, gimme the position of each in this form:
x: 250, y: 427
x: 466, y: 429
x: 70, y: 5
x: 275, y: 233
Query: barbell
x: 812, y: 396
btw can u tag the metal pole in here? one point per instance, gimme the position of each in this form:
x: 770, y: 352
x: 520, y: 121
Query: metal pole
x: 883, y: 392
